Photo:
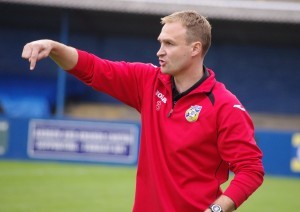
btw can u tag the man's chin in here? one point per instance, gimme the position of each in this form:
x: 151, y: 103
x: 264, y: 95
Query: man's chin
x: 164, y: 71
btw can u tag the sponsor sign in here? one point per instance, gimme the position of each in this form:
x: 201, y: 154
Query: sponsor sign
x: 83, y: 141
x: 295, y: 161
x: 3, y: 137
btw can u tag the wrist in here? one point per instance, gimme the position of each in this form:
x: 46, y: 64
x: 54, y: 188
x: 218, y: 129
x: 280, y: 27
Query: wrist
x: 215, y: 208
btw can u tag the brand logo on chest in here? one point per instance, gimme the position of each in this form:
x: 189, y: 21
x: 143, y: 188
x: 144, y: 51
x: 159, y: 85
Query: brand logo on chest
x: 161, y: 96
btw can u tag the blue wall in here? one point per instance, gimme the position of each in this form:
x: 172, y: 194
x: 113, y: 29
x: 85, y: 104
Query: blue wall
x: 264, y: 75
x: 265, y: 78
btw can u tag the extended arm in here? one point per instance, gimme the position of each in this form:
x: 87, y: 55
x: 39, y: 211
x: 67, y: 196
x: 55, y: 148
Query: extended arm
x: 64, y: 56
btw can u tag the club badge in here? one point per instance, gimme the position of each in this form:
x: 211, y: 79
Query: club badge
x: 192, y: 113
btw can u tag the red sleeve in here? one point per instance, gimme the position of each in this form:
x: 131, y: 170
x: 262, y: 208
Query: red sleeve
x: 237, y: 146
x: 121, y: 80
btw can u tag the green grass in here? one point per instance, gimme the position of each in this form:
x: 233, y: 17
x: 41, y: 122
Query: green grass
x: 33, y: 186
x: 58, y: 187
x: 276, y: 194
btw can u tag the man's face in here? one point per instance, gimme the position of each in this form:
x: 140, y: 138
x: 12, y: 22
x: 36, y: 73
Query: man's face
x: 174, y: 54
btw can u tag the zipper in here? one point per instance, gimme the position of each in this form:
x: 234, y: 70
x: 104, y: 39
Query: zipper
x: 172, y: 109
x: 170, y: 113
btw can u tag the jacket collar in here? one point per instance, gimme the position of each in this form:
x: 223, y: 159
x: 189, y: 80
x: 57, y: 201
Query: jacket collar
x: 205, y: 87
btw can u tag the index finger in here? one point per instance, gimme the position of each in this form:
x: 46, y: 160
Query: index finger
x: 26, y: 51
x: 33, y: 58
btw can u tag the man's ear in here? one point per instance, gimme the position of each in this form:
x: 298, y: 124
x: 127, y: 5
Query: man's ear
x: 196, y: 48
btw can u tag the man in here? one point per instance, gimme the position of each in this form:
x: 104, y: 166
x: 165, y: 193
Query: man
x: 193, y: 130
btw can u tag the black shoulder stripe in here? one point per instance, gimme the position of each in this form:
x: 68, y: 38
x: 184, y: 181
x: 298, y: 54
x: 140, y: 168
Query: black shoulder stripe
x: 211, y: 97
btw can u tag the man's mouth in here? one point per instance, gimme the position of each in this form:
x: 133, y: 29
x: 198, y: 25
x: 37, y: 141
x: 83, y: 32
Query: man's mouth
x: 162, y: 62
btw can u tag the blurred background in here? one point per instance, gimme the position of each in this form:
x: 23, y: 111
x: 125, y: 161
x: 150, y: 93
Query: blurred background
x: 255, y: 51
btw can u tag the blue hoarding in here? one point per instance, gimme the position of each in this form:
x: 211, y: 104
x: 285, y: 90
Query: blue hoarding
x: 281, y: 152
x: 112, y: 142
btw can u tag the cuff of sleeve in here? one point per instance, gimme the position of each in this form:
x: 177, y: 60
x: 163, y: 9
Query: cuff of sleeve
x: 237, y: 195
x: 80, y: 70
x: 81, y: 63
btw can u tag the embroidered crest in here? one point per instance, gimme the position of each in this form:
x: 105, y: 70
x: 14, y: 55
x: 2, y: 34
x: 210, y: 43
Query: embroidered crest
x: 192, y: 113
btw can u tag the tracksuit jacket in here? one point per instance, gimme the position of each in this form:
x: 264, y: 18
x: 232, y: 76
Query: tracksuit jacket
x: 186, y: 148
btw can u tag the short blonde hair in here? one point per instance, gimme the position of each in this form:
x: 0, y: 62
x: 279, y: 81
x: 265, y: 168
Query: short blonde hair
x: 198, y: 28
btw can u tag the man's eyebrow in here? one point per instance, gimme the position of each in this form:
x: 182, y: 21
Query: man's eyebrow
x: 165, y: 40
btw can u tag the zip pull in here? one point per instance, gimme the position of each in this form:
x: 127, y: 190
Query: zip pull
x: 170, y: 113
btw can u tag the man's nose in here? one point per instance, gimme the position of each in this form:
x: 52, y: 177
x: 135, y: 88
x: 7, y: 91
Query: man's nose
x: 160, y: 52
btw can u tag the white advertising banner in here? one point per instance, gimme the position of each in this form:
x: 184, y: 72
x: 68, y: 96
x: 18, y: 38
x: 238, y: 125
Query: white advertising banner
x: 83, y: 141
